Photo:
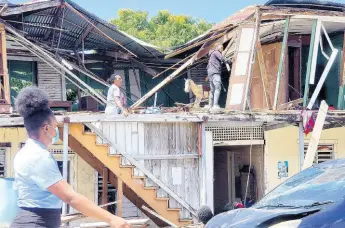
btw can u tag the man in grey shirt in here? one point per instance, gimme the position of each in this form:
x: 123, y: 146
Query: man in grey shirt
x: 214, y: 70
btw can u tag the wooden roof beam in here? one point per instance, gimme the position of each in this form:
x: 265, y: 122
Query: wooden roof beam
x: 135, y: 62
x: 84, y: 35
x: 54, y: 22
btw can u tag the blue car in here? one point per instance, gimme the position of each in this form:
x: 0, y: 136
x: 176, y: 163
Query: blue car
x: 312, y: 198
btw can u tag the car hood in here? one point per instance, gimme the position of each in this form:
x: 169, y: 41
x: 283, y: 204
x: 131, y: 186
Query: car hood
x: 251, y: 217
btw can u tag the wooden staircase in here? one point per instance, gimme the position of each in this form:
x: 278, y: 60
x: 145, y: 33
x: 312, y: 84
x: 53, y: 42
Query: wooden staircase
x: 97, y: 155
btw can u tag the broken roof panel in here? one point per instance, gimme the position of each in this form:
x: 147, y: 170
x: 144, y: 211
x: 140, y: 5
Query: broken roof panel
x: 45, y: 19
x: 307, y: 3
x: 237, y: 18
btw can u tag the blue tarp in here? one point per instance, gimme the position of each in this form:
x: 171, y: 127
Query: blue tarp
x: 8, y: 202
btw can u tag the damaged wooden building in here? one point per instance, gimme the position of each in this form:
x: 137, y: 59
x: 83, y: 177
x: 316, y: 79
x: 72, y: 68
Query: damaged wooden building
x: 286, y: 58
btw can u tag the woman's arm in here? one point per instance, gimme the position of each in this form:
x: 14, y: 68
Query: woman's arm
x: 66, y: 193
x: 119, y: 104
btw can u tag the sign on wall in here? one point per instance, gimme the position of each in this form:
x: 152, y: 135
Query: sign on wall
x: 283, y: 169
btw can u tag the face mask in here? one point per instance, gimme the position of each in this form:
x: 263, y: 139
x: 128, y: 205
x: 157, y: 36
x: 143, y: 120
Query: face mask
x: 57, y: 134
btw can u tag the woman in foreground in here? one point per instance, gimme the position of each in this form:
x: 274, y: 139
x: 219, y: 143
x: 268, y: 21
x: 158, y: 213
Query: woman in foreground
x: 41, y: 188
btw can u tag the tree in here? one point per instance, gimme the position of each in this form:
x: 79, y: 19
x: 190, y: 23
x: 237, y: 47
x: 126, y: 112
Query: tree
x: 163, y: 30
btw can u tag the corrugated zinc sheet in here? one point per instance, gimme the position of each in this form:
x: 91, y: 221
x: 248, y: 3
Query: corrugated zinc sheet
x: 314, y: 2
x: 74, y: 27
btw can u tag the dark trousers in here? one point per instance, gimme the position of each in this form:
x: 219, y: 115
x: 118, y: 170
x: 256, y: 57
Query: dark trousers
x: 37, y: 218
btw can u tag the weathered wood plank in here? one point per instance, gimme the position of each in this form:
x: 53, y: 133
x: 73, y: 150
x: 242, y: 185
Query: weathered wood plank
x: 119, y: 196
x: 263, y: 71
x: 314, y: 142
x: 141, y: 144
x: 50, y: 81
x: 281, y: 62
x: 105, y: 186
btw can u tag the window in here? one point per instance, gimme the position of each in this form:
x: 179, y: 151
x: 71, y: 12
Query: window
x: 2, y: 162
x: 22, y: 74
x: 325, y: 152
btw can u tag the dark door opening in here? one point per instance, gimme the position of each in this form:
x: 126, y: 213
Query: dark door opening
x: 294, y: 55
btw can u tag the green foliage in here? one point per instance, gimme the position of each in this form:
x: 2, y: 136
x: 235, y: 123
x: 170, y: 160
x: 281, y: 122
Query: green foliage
x: 72, y: 94
x: 18, y: 84
x: 163, y: 30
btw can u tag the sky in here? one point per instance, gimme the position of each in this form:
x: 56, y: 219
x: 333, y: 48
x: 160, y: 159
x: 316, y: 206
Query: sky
x: 210, y: 10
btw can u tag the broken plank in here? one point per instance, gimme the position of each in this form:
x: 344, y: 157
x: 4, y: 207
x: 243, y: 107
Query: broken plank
x: 119, y: 196
x: 158, y: 216
x: 289, y: 104
x: 105, y: 186
x: 322, y: 79
x: 263, y: 72
x: 281, y: 62
x: 314, y: 141
x: 162, y: 84
x: 134, y: 222
x: 310, y: 58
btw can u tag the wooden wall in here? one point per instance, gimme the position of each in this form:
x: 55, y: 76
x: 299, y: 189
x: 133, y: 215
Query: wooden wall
x: 271, y: 54
x: 50, y: 81
x: 151, y: 139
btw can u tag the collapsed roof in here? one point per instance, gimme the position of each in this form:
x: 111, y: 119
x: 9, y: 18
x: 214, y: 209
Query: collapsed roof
x: 273, y: 13
x: 308, y: 3
x: 67, y: 26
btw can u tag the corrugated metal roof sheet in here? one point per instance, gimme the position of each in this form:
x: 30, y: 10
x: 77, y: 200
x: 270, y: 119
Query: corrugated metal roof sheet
x: 74, y: 27
x: 309, y: 2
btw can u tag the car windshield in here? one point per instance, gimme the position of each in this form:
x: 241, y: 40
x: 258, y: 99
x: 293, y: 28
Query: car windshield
x: 312, y: 186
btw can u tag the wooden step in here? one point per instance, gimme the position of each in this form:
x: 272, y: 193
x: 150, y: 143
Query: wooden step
x: 125, y: 173
x: 139, y: 177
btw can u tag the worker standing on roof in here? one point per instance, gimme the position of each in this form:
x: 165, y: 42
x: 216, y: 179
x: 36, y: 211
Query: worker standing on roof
x: 115, y: 101
x: 41, y: 188
x: 214, y: 70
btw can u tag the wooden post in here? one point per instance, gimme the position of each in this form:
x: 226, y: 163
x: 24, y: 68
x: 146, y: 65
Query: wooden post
x: 119, y: 197
x: 307, y: 78
x: 342, y: 79
x: 65, y: 156
x: 209, y: 168
x: 317, y: 40
x: 340, y: 105
x: 281, y: 62
x: 301, y: 146
x: 263, y: 72
x: 314, y: 141
x: 105, y: 186
x: 252, y: 58
x: 6, y: 79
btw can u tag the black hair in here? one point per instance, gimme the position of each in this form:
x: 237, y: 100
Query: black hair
x: 33, y: 105
x: 205, y: 214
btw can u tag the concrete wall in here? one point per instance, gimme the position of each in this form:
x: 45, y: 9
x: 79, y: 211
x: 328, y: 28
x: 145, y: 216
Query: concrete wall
x: 283, y: 145
x: 82, y: 176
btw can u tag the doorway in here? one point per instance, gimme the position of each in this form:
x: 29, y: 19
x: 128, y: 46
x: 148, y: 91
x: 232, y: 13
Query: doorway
x: 234, y: 179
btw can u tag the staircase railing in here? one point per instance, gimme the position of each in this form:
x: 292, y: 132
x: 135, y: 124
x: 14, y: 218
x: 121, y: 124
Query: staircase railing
x: 139, y: 166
